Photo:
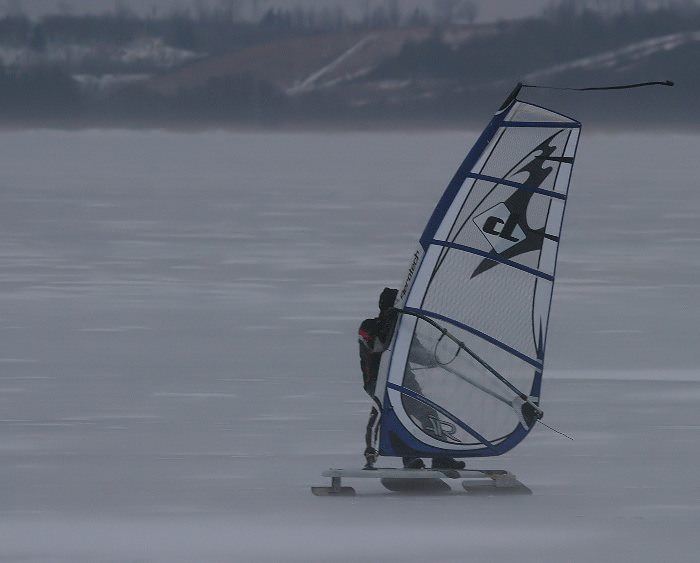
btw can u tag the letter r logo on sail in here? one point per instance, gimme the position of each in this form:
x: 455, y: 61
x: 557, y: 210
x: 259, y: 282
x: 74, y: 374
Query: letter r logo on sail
x: 500, y: 227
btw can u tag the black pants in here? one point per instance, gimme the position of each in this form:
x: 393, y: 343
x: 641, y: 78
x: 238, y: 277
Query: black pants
x: 372, y: 432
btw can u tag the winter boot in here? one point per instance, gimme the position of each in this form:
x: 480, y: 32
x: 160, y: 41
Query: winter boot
x: 447, y: 463
x: 413, y: 463
x: 371, y: 456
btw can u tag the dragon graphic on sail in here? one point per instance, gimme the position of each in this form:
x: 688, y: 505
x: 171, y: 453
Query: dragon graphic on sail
x: 505, y: 226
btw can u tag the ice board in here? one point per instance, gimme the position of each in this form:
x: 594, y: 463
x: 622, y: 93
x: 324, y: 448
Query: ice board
x: 475, y: 480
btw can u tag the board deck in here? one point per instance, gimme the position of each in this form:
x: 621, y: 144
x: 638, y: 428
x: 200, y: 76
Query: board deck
x: 477, y: 481
x: 401, y: 473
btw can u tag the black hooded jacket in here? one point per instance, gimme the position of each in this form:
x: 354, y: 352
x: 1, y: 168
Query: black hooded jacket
x: 374, y: 337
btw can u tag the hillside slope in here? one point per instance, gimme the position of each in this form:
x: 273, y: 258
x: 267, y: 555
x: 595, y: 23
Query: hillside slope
x: 419, y: 74
x: 295, y: 65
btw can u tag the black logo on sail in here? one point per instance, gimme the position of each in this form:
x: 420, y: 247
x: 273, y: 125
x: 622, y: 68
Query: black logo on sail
x: 500, y: 227
x: 505, y: 225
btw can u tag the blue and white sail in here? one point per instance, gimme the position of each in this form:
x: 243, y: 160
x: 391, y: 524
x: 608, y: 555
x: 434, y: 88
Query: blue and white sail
x: 464, y: 371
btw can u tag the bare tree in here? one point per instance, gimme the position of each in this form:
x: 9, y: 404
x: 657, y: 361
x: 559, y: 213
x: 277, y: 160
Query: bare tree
x: 366, y: 12
x: 122, y: 9
x: 14, y: 8
x: 468, y: 10
x: 339, y: 18
x: 230, y: 9
x: 393, y: 12
x: 445, y: 11
x: 201, y: 8
x: 379, y: 17
x: 65, y: 8
x: 255, y: 7
x: 418, y: 17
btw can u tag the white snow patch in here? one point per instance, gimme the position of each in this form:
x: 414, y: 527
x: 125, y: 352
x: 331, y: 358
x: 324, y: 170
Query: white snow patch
x: 622, y: 56
x: 311, y: 81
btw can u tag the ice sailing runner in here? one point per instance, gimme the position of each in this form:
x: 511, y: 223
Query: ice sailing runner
x: 465, y: 341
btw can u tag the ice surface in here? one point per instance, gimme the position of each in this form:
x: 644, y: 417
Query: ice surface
x: 178, y: 360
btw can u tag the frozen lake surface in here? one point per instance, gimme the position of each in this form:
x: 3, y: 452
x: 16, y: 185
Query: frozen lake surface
x: 178, y: 360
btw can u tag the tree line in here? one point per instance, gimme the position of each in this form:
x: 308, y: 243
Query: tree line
x: 446, y: 80
x: 217, y: 26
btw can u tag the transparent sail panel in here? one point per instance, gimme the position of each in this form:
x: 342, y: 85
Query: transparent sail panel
x: 528, y: 155
x: 499, y: 302
x: 440, y: 371
x: 505, y: 220
x: 523, y: 111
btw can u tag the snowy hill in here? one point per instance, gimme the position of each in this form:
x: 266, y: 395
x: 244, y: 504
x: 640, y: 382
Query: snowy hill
x: 296, y: 65
x: 623, y: 58
x: 285, y: 70
x: 380, y: 75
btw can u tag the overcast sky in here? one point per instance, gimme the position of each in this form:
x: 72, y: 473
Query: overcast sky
x: 489, y: 10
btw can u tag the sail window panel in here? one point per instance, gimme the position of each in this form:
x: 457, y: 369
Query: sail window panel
x: 520, y: 373
x: 555, y: 218
x: 561, y: 181
x: 528, y: 112
x: 448, y: 377
x: 504, y: 220
x: 548, y: 256
x: 487, y: 416
x: 498, y: 301
x: 528, y: 155
x: 571, y: 146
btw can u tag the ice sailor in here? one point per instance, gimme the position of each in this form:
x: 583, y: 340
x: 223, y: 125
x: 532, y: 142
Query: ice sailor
x: 374, y: 336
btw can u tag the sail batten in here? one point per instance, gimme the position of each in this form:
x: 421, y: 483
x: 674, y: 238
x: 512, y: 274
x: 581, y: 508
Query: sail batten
x: 485, y: 268
x: 494, y: 180
x: 540, y: 124
x: 490, y: 339
x: 494, y: 257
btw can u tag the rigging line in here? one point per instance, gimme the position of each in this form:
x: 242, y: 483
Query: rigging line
x: 488, y: 391
x: 435, y: 357
x: 614, y: 87
x: 463, y: 346
x: 463, y: 377
x: 478, y: 386
x: 536, y: 363
x: 555, y: 430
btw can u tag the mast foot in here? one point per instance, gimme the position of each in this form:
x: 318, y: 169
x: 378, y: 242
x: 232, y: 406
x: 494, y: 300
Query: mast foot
x: 335, y: 490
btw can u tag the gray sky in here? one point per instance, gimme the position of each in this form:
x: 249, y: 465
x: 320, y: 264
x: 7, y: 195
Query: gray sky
x: 489, y: 10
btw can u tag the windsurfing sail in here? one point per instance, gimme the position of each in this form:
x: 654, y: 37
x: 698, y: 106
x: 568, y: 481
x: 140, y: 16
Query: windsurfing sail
x: 464, y: 371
